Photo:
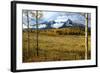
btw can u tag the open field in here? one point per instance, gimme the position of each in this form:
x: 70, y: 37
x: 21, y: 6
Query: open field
x: 53, y: 47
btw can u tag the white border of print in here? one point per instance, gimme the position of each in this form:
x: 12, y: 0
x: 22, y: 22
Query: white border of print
x: 37, y: 65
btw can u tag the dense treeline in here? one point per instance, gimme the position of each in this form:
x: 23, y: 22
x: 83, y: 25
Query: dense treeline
x: 63, y: 31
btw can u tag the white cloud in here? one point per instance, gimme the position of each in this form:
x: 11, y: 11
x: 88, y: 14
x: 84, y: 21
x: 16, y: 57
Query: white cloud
x: 57, y: 25
x: 24, y: 26
x: 61, y: 19
x: 42, y: 26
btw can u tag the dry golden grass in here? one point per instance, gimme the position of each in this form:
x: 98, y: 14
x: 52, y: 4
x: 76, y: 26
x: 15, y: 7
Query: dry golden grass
x: 54, y: 47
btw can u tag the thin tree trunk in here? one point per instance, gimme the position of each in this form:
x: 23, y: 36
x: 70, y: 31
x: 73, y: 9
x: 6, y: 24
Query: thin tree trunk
x: 37, y: 29
x: 28, y: 43
x: 86, y: 36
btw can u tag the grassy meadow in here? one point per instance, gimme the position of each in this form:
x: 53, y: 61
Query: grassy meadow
x: 55, y: 45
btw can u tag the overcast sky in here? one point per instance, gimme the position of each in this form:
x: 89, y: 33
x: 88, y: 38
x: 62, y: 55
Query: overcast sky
x: 53, y: 16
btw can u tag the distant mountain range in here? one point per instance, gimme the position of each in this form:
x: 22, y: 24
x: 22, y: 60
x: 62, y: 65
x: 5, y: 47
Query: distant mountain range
x: 51, y: 20
x: 53, y: 24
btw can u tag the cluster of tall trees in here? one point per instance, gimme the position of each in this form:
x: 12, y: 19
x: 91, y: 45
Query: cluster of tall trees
x: 65, y: 31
